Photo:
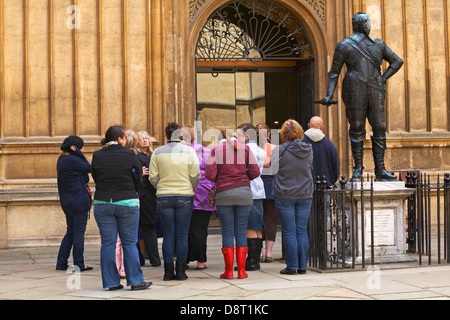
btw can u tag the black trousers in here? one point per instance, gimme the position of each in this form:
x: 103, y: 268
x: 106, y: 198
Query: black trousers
x: 198, y: 234
x: 151, y: 242
x: 270, y: 220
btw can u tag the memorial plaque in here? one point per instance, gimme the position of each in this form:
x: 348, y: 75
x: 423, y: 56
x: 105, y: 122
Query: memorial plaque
x: 383, y: 226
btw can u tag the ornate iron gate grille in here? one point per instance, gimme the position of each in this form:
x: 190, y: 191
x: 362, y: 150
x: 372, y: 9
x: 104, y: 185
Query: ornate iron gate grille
x: 252, y: 30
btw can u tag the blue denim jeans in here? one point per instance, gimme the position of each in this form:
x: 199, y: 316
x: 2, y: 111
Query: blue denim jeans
x: 112, y: 220
x: 76, y: 227
x: 233, y: 221
x: 294, y: 215
x: 176, y: 213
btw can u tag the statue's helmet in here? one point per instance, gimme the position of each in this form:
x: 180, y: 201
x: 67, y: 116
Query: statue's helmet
x: 361, y: 23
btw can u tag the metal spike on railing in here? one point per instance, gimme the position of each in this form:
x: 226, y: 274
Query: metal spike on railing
x: 317, y: 183
x: 447, y: 180
x: 324, y: 183
x: 343, y: 182
x: 408, y: 177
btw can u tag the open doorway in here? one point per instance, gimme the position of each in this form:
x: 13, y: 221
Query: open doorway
x: 228, y: 97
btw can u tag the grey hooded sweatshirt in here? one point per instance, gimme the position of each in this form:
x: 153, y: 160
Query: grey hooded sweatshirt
x: 294, y: 179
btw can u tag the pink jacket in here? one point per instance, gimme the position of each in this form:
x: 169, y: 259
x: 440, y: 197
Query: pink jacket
x: 229, y: 168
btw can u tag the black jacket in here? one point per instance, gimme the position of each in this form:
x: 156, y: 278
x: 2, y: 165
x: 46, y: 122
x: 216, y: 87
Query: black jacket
x: 147, y: 196
x: 73, y: 175
x: 117, y: 173
x: 326, y: 159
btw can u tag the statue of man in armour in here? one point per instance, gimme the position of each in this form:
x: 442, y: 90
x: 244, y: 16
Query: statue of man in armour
x: 364, y: 91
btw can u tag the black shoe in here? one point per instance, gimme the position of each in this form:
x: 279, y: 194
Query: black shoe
x: 116, y: 288
x: 141, y: 286
x: 86, y: 268
x: 301, y: 271
x: 62, y: 268
x: 288, y: 271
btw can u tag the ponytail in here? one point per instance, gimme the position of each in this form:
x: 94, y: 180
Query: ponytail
x: 113, y: 134
x: 228, y: 136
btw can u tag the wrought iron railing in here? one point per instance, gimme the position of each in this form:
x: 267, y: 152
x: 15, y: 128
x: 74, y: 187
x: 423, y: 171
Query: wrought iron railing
x: 429, y: 217
x: 335, y: 242
x: 334, y: 224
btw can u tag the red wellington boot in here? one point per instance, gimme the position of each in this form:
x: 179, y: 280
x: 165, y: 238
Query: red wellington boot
x: 228, y: 256
x: 241, y: 255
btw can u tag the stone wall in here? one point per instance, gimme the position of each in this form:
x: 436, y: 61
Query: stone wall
x: 77, y: 67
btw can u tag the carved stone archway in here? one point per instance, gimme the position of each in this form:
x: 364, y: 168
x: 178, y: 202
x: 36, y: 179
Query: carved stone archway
x: 318, y: 6
x: 310, y: 15
x: 310, y: 12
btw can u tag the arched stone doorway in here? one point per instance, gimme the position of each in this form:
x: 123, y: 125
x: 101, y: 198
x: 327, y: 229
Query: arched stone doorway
x: 256, y: 61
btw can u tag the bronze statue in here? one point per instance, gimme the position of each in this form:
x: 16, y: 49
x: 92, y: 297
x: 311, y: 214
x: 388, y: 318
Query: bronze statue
x: 364, y: 90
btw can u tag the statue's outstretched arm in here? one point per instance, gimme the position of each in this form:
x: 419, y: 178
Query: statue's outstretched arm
x: 333, y: 76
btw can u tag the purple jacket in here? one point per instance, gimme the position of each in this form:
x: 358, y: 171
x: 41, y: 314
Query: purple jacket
x: 201, y: 197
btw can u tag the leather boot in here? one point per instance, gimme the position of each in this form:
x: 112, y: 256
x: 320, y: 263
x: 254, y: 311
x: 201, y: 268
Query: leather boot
x: 254, y: 253
x: 241, y: 254
x: 358, y: 153
x: 169, y: 273
x: 259, y: 246
x: 378, y: 150
x: 228, y: 257
x: 180, y: 268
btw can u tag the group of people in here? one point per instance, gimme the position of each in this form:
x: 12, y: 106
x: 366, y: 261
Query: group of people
x: 248, y: 184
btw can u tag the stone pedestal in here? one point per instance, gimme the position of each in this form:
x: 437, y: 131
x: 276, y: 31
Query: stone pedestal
x: 389, y: 221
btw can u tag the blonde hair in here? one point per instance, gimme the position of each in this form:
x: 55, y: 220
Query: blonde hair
x: 132, y: 140
x: 291, y: 130
x: 149, y: 150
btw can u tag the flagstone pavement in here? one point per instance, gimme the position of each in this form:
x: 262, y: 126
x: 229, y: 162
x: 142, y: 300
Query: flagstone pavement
x: 29, y: 274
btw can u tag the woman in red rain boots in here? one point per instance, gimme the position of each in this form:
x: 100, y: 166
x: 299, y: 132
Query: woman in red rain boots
x: 232, y: 166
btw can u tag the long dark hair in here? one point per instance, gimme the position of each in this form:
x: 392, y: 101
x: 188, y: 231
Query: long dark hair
x: 112, y: 134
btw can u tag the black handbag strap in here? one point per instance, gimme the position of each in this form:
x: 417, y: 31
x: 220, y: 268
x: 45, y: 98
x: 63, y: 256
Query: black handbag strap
x: 281, y: 155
